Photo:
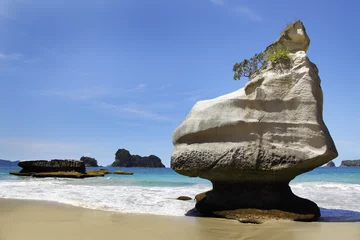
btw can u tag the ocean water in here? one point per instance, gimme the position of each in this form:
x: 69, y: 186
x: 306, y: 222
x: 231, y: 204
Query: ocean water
x: 154, y: 191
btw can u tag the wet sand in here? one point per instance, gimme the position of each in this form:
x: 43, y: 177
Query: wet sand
x: 23, y: 219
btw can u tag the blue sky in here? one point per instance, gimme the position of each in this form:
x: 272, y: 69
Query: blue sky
x: 88, y: 77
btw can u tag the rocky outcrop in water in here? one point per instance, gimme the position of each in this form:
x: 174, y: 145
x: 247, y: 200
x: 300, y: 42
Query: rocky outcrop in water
x: 89, y: 161
x: 252, y: 142
x: 123, y: 158
x: 57, y: 168
x: 55, y: 165
x: 350, y: 163
x: 330, y: 164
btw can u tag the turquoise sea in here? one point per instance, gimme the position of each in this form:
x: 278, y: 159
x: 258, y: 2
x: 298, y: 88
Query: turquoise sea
x: 154, y: 190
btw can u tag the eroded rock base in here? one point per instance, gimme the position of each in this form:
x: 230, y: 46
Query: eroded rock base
x: 248, y: 202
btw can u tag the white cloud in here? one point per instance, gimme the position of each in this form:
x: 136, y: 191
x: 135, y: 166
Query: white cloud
x: 13, y: 56
x: 77, y: 94
x: 218, y: 2
x: 132, y: 111
x: 141, y: 86
x: 248, y: 13
x: 23, y: 148
x: 91, y: 96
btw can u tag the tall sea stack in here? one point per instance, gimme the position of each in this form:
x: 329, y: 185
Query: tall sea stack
x: 252, y: 142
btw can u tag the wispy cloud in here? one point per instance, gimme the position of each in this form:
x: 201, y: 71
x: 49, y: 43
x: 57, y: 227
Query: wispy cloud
x: 243, y: 11
x: 88, y: 93
x: 12, y: 56
x: 248, y: 13
x: 193, y: 92
x: 139, y: 87
x: 132, y: 111
x: 77, y: 94
x: 42, y: 149
x: 218, y: 2
x: 94, y: 97
x: 165, y: 86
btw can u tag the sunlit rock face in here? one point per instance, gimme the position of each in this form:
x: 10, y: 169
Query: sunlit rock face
x: 265, y: 133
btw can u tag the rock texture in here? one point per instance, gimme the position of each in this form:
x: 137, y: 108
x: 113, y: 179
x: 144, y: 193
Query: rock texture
x: 123, y: 158
x: 350, y: 163
x: 88, y: 174
x: 89, y: 161
x: 55, y: 165
x: 330, y: 164
x: 252, y: 142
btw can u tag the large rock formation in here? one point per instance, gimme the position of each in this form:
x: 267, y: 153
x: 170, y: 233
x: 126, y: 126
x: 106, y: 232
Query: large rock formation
x: 57, y: 168
x: 252, y: 142
x: 350, y: 163
x: 123, y: 158
x: 55, y: 165
x: 89, y: 161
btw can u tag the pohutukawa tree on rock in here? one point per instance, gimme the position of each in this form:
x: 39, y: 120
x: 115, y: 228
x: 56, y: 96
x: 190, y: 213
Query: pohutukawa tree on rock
x: 252, y: 142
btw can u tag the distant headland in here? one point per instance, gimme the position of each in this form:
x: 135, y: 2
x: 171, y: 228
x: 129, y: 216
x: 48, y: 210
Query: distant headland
x: 350, y: 163
x: 8, y: 163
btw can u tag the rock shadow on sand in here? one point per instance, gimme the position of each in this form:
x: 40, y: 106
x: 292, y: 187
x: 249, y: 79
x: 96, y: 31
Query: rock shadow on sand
x: 327, y: 215
x: 338, y: 215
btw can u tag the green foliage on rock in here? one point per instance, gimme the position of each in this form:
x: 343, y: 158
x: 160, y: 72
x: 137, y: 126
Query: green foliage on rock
x: 280, y: 53
x: 260, y: 60
x: 249, y: 66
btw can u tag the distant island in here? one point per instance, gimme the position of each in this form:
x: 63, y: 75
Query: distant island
x: 330, y: 164
x: 8, y: 163
x: 89, y: 161
x: 123, y: 158
x: 350, y: 163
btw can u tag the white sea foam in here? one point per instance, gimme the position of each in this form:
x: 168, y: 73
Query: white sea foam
x: 338, y: 201
x: 126, y: 199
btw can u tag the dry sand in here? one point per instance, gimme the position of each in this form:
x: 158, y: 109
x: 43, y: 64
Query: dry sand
x: 20, y: 219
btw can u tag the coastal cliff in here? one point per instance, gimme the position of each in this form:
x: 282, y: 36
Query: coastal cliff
x: 350, y: 163
x: 123, y: 158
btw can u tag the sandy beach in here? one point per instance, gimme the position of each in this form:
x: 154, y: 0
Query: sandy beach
x: 23, y: 219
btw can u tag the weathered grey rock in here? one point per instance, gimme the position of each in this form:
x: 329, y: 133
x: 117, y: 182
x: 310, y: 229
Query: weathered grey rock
x: 56, y: 165
x: 252, y: 142
x: 273, y: 125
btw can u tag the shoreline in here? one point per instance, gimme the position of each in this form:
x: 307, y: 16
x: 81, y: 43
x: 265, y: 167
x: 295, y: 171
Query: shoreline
x: 32, y: 219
